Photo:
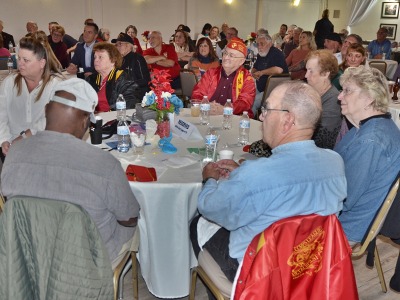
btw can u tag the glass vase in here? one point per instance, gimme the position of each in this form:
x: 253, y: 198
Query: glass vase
x: 163, y: 125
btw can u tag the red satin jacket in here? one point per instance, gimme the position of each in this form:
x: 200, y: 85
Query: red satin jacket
x: 243, y: 89
x: 302, y: 257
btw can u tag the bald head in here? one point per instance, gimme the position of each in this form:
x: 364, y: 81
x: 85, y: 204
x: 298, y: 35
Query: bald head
x: 304, y: 102
x: 66, y: 119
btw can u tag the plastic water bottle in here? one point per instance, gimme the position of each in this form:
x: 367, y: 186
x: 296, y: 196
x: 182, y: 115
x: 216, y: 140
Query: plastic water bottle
x: 211, y: 139
x: 244, y: 129
x: 10, y: 65
x: 10, y: 47
x: 227, y: 117
x: 121, y: 108
x: 205, y: 111
x: 124, y: 139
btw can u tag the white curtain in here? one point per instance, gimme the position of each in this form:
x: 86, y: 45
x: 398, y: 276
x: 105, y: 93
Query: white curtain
x: 359, y: 9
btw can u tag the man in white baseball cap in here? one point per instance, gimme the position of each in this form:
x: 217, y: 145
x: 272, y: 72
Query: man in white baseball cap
x: 56, y: 164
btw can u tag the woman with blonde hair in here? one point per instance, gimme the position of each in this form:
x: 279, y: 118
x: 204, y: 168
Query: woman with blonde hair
x: 296, y: 59
x: 24, y: 95
x: 370, y: 150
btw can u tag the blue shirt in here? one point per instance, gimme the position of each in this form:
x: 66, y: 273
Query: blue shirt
x: 376, y: 48
x: 298, y: 179
x: 274, y: 58
x: 371, y: 156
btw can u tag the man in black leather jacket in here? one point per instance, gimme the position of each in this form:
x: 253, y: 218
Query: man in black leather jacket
x: 133, y: 64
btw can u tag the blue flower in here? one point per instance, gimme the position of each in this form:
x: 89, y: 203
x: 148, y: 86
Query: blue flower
x: 177, y: 103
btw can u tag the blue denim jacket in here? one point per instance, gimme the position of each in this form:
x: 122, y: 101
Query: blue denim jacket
x: 298, y: 179
x: 371, y: 156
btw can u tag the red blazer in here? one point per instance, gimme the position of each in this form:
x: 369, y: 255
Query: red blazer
x: 243, y: 89
x: 302, y: 257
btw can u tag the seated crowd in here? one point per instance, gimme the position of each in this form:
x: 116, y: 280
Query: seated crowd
x: 305, y: 166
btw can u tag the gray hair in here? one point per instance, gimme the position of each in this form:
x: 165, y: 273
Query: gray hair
x: 262, y: 31
x: 267, y: 37
x: 304, y: 102
x: 372, y: 82
x: 156, y: 32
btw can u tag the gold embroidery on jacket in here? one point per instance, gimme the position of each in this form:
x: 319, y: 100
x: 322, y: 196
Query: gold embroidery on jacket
x: 306, y: 258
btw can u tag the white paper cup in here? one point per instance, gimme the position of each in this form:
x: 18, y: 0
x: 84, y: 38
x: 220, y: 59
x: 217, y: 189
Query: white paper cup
x: 226, y: 154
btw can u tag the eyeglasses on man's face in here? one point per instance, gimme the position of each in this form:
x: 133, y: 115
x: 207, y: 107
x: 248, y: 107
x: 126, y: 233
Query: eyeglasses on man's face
x: 230, y: 55
x: 265, y: 110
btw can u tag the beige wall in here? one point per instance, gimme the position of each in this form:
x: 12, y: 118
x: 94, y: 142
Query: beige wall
x: 369, y: 26
x: 165, y: 15
x: 156, y: 14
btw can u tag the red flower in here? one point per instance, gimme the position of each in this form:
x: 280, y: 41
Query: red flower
x: 253, y: 35
x: 145, y: 34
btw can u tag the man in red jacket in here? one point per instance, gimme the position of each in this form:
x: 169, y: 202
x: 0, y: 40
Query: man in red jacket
x: 229, y: 81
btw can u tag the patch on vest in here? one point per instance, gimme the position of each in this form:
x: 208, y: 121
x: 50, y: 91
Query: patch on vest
x: 306, y: 257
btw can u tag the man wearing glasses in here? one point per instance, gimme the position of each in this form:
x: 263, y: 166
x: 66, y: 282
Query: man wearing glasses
x: 229, y: 81
x: 298, y: 179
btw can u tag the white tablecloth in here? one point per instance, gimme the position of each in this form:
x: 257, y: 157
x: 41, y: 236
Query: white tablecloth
x: 391, y: 67
x: 168, y: 206
x: 394, y: 109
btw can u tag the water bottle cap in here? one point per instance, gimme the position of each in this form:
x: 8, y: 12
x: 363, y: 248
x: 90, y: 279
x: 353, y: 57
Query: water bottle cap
x: 245, y: 112
x: 228, y: 100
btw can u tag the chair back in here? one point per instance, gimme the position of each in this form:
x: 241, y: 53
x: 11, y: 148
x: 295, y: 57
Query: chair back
x: 379, y: 219
x: 188, y: 81
x: 51, y: 250
x: 380, y: 65
x: 272, y: 82
x: 301, y: 257
x: 3, y: 62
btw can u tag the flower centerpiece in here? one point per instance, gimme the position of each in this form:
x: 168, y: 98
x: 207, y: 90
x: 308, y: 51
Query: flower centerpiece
x: 251, y: 38
x: 162, y: 100
x: 145, y: 37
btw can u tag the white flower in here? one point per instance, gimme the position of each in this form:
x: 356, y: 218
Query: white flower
x: 165, y: 95
x: 147, y: 97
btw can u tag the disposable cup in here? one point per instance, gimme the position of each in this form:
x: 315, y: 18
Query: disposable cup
x: 194, y: 108
x: 226, y: 154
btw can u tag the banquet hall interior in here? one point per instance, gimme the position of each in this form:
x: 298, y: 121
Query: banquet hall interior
x: 245, y: 15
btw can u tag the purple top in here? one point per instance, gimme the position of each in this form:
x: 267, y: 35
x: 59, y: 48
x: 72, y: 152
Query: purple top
x: 224, y: 88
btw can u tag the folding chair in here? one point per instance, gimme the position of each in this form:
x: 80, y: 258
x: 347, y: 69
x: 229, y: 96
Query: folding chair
x: 272, y: 82
x: 374, y: 230
x: 123, y: 267
x: 380, y: 65
x: 188, y: 81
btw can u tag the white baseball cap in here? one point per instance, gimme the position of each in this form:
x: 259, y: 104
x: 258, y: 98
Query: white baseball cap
x: 86, y: 96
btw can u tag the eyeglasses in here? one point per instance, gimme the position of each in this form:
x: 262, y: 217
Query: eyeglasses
x: 265, y: 110
x: 230, y: 55
x: 347, y: 91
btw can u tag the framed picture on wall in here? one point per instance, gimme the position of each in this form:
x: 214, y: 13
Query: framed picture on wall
x: 392, y: 28
x: 390, y: 10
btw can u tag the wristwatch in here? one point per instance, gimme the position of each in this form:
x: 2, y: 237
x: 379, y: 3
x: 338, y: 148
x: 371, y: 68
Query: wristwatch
x: 23, y: 134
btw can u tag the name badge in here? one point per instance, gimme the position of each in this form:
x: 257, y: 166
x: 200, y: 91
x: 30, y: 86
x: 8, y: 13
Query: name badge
x: 182, y: 128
